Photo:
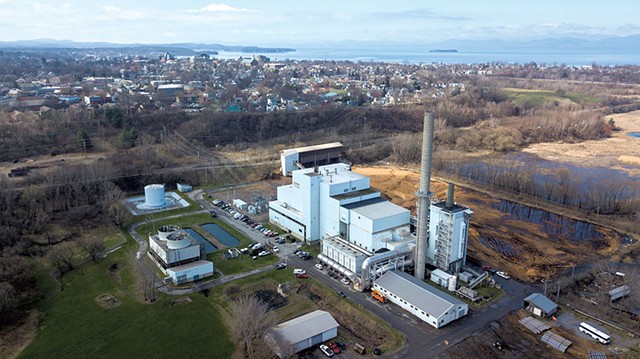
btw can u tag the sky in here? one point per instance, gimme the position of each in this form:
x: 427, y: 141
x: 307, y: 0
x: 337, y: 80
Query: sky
x: 294, y: 22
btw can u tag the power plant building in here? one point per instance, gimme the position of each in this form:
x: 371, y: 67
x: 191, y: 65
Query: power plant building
x: 448, y: 230
x: 363, y: 235
x: 309, y: 156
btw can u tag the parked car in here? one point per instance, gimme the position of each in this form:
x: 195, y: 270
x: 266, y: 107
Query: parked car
x: 263, y: 254
x: 298, y: 271
x: 325, y: 349
x: 342, y: 295
x: 280, y: 240
x: 341, y: 345
x: 344, y: 281
x: 334, y: 348
x: 486, y: 267
x: 302, y: 276
x: 377, y: 351
x: 282, y: 265
x: 319, y: 266
x: 504, y: 275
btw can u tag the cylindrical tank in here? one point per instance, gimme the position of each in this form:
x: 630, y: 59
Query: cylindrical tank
x: 177, y: 240
x: 154, y: 195
x: 164, y: 231
x: 453, y: 282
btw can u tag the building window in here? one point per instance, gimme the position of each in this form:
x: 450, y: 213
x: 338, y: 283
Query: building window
x: 353, y: 188
x: 345, y: 190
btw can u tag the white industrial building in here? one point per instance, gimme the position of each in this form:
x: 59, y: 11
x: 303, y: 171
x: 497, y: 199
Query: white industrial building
x: 448, y: 230
x: 420, y: 299
x: 362, y: 234
x: 310, y: 156
x: 178, y: 256
x: 333, y: 204
x: 300, y: 333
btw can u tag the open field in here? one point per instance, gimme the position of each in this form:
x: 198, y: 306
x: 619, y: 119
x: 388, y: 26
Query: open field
x: 543, y: 97
x: 75, y: 325
x: 620, y: 151
x: 527, y: 250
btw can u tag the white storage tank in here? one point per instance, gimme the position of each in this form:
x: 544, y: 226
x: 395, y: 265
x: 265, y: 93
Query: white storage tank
x: 154, y: 196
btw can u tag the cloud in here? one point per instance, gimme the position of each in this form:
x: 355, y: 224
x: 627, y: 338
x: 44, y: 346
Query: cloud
x: 122, y: 14
x: 422, y: 13
x: 220, y: 8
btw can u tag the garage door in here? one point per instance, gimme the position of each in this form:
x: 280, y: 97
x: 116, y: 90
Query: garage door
x: 316, y: 340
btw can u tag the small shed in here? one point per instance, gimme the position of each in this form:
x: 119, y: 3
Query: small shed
x: 619, y: 292
x: 240, y: 204
x: 301, y: 333
x: 441, y: 277
x: 184, y: 187
x: 540, y: 305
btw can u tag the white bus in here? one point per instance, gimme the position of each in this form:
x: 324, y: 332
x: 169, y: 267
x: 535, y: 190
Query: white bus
x: 595, y: 333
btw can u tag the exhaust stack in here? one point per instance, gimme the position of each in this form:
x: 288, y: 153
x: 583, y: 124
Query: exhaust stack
x: 424, y: 195
x: 450, y: 190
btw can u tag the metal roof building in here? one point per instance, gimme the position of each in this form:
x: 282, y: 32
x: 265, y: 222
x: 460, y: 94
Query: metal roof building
x: 540, y: 305
x: 309, y: 156
x: 420, y: 299
x: 301, y: 333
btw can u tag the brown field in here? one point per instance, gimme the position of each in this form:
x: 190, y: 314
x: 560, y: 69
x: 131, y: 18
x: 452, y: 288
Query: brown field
x: 618, y: 152
x: 522, y: 248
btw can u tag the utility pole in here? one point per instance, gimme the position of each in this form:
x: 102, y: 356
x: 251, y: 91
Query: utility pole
x: 558, y: 294
x: 545, y: 286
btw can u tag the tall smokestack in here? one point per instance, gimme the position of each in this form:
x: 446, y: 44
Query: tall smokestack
x: 450, y: 202
x: 423, y: 196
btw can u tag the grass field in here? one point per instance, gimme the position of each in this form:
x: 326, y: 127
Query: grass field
x: 540, y: 98
x: 241, y: 264
x: 74, y: 325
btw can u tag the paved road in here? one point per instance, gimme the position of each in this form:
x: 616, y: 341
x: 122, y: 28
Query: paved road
x: 420, y: 337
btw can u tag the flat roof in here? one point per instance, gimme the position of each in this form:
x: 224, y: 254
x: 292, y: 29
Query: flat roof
x: 453, y: 209
x: 421, y: 295
x: 324, y: 146
x: 358, y: 193
x: 379, y: 210
x: 305, y: 326
x: 189, y: 265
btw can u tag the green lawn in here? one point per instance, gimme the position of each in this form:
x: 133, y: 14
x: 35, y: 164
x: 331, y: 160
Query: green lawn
x: 241, y: 264
x: 74, y: 325
x: 540, y: 98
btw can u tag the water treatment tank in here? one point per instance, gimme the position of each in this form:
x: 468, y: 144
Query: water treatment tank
x: 178, y: 240
x: 154, y: 196
x: 164, y: 231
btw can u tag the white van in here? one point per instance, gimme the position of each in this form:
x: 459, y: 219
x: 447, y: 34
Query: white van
x: 298, y: 271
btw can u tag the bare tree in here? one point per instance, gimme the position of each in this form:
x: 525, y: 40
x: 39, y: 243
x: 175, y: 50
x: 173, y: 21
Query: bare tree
x: 119, y: 214
x: 93, y: 246
x: 147, y: 282
x: 251, y: 319
x: 7, y: 296
x: 62, y: 256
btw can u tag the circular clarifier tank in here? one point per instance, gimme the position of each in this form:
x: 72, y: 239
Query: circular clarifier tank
x: 154, y: 196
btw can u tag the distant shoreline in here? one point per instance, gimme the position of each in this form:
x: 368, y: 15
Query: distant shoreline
x: 443, y: 50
